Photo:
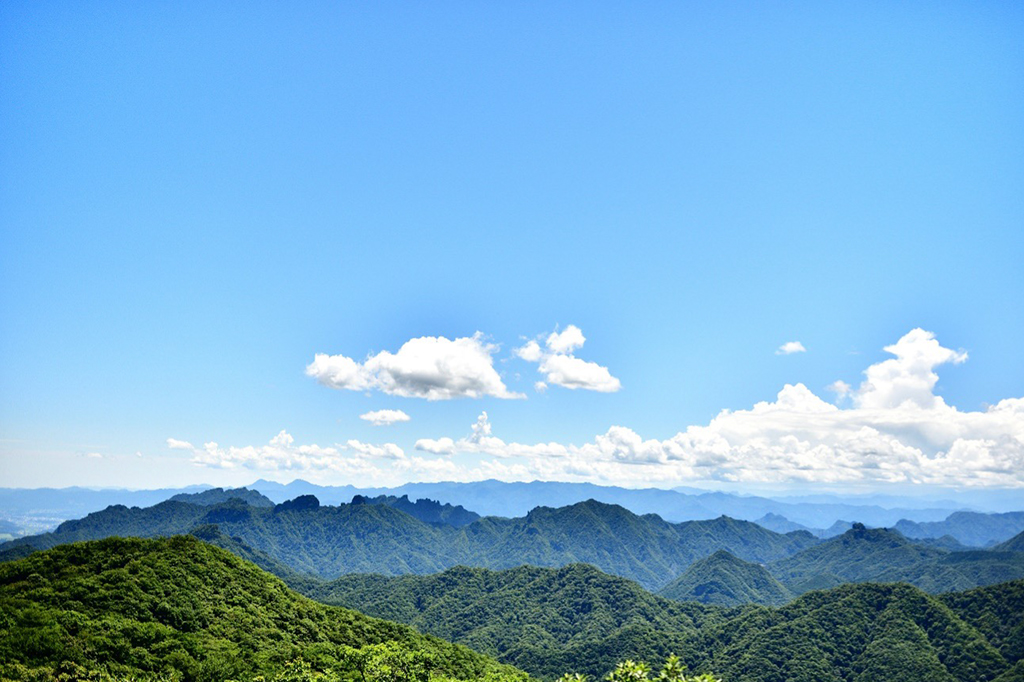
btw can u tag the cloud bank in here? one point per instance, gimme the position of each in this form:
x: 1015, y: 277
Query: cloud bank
x: 896, y: 430
x: 385, y: 417
x: 561, y: 367
x: 430, y: 367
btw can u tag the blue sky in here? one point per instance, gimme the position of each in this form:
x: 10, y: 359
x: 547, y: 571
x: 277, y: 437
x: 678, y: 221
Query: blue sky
x: 197, y: 199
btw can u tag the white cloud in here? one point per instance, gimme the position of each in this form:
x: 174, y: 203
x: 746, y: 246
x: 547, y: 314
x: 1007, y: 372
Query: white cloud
x: 367, y: 463
x: 566, y: 341
x: 896, y: 431
x: 441, y: 446
x: 791, y: 347
x: 385, y: 417
x: 434, y: 368
x: 385, y: 451
x: 840, y: 388
x: 561, y: 368
x: 907, y: 378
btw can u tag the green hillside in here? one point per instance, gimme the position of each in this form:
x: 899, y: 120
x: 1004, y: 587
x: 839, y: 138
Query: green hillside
x: 179, y: 607
x: 856, y: 633
x: 727, y: 580
x: 538, y: 617
x: 577, y: 618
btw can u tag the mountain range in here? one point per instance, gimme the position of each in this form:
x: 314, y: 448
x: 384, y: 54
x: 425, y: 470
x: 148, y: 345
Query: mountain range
x: 33, y: 510
x: 328, y: 541
x: 137, y: 608
x: 375, y: 535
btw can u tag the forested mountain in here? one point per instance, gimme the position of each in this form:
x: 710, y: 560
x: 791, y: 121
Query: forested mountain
x: 727, y: 580
x: 428, y: 511
x: 329, y: 541
x: 881, y: 555
x: 143, y: 607
x: 971, y: 528
x: 549, y: 620
x: 220, y: 495
x: 178, y: 606
x: 577, y: 618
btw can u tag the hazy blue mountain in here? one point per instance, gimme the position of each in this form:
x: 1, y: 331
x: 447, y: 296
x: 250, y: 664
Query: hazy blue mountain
x: 970, y: 528
x: 496, y: 498
x: 729, y: 581
x: 780, y: 524
x: 39, y: 509
x: 45, y: 508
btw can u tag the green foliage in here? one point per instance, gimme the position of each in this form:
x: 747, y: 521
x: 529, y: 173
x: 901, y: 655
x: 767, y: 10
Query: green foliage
x: 183, y: 609
x: 540, y: 619
x: 727, y: 580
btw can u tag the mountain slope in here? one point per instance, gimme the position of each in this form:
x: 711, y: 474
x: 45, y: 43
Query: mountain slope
x: 880, y: 555
x: 528, y: 614
x: 577, y: 618
x: 180, y: 606
x: 857, y: 555
x: 863, y: 633
x: 1014, y: 544
x: 726, y: 580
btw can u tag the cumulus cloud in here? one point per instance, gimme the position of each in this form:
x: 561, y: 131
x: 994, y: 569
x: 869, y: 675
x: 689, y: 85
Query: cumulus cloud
x: 385, y: 417
x: 561, y: 367
x: 430, y: 367
x: 790, y: 347
x: 896, y: 431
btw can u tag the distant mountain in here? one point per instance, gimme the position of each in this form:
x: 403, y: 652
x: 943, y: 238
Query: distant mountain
x: 364, y: 538
x: 220, y: 495
x: 497, y: 498
x: 428, y: 511
x: 726, y: 580
x: 780, y: 524
x: 41, y: 509
x: 180, y: 608
x: 970, y: 528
